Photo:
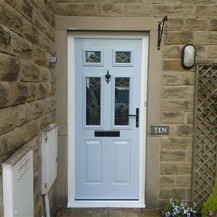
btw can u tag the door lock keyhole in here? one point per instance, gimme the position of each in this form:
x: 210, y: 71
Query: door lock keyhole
x: 108, y: 77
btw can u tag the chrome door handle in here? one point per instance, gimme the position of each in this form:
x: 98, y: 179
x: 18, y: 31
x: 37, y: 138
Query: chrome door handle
x: 137, y: 117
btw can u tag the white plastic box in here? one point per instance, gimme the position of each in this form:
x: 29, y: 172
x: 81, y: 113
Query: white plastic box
x: 18, y: 184
x: 49, y: 156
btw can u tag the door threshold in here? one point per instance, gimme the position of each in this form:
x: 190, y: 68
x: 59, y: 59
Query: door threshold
x: 106, y: 203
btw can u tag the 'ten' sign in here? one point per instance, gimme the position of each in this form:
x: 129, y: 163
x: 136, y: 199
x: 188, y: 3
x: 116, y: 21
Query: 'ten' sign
x: 160, y: 130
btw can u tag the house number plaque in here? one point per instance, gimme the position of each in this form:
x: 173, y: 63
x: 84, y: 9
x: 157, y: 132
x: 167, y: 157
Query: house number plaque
x: 160, y: 130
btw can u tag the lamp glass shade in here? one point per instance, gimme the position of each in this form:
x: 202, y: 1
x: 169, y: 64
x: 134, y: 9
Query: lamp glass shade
x: 188, y: 56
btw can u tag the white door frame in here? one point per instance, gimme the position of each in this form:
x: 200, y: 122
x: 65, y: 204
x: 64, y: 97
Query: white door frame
x: 71, y: 123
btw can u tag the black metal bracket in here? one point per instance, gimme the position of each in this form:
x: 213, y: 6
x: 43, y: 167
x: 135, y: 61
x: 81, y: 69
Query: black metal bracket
x: 160, y: 30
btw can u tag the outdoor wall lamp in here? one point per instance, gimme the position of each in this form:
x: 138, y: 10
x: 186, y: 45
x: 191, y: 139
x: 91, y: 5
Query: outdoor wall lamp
x: 52, y: 60
x: 188, y: 56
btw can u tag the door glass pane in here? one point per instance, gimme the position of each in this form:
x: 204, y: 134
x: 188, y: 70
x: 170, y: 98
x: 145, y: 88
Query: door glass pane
x: 123, y: 56
x: 93, y: 56
x: 93, y: 101
x: 122, y: 86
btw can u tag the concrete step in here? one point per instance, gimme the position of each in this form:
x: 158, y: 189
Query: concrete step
x: 107, y: 212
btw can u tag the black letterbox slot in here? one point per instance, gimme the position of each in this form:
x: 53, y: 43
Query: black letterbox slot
x: 107, y: 133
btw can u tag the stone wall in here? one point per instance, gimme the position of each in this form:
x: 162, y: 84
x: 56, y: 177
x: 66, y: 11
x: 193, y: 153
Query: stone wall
x: 190, y: 21
x: 27, y: 80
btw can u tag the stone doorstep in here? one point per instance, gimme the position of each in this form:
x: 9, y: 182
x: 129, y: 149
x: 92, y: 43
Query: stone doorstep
x: 107, y: 212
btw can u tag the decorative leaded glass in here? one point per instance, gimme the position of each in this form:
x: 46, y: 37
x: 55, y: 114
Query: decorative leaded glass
x: 93, y: 101
x: 122, y: 86
x: 93, y: 56
x: 123, y: 56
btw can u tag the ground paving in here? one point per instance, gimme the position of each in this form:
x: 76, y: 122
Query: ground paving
x: 107, y: 212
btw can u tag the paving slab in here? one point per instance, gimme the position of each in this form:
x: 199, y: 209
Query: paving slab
x: 107, y: 212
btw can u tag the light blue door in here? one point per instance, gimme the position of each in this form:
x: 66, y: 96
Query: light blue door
x: 107, y: 96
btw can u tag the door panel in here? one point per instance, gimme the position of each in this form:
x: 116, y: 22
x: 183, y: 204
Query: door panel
x: 107, y: 93
x: 122, y: 162
x: 93, y: 171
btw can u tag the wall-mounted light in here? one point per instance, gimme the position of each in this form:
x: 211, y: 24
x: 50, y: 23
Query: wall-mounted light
x: 188, y: 56
x: 52, y: 60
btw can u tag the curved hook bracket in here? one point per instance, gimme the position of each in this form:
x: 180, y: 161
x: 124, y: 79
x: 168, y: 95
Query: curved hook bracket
x: 160, y: 31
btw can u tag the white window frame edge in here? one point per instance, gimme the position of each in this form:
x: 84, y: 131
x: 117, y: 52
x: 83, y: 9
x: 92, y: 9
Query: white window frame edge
x: 71, y: 127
